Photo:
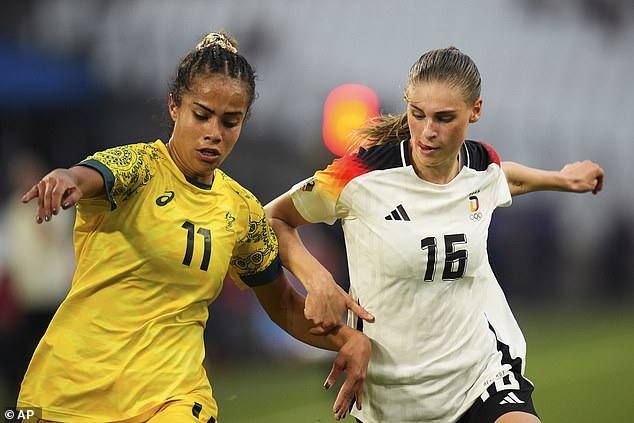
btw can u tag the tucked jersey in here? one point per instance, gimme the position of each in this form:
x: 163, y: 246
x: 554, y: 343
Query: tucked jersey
x: 150, y: 259
x: 417, y: 254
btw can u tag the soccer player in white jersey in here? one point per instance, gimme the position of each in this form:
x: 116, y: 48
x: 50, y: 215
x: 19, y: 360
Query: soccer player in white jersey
x: 415, y: 201
x: 158, y: 227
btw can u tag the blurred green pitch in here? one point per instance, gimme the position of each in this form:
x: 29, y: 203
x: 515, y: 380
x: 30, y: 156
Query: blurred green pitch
x: 581, y: 363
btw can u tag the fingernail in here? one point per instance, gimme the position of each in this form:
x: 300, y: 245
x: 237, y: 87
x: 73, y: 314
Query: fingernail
x: 38, y: 219
x: 65, y: 206
x: 326, y: 385
x: 47, y: 218
x: 55, y: 211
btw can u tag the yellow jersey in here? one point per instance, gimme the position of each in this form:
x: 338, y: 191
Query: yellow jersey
x: 151, y: 257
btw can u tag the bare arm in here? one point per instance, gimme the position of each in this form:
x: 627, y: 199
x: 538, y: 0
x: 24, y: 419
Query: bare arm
x: 285, y: 307
x: 62, y: 189
x: 578, y: 177
x: 326, y: 301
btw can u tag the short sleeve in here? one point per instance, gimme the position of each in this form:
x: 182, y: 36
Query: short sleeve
x: 317, y: 198
x: 255, y: 259
x: 124, y: 169
x: 313, y: 202
x: 502, y: 190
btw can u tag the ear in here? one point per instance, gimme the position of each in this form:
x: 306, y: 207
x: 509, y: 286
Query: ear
x: 475, y: 112
x: 172, y: 107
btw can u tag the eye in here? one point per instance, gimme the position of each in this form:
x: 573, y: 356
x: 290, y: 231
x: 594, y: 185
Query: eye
x: 417, y: 115
x: 231, y: 123
x: 445, y: 118
x: 199, y: 116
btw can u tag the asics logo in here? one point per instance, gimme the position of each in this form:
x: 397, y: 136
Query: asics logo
x: 164, y: 199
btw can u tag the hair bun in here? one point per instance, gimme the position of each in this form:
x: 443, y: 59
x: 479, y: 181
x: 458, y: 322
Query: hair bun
x: 217, y: 39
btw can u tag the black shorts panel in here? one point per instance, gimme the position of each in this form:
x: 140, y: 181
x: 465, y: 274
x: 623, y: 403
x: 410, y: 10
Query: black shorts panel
x: 501, y: 402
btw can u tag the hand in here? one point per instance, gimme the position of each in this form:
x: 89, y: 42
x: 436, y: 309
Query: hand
x: 325, y: 306
x: 584, y: 176
x: 352, y: 359
x: 56, y: 190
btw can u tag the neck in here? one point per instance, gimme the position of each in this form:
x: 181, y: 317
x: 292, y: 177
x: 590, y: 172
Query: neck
x: 185, y: 170
x: 441, y: 173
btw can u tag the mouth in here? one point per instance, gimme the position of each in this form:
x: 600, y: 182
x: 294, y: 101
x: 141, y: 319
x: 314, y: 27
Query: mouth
x: 209, y: 153
x: 425, y: 149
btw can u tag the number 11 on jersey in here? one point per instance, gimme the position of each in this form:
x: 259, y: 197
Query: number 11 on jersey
x: 189, y: 252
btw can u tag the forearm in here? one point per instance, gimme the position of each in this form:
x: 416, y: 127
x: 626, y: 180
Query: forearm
x: 90, y: 181
x: 299, y: 328
x: 523, y: 179
x: 296, y: 257
x: 326, y: 301
x: 585, y: 176
x: 285, y: 307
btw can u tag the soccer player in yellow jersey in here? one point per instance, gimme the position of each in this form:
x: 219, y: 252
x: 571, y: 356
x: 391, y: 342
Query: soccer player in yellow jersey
x: 158, y: 227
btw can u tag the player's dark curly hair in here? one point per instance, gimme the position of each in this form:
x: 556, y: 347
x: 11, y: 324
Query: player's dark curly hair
x: 216, y: 53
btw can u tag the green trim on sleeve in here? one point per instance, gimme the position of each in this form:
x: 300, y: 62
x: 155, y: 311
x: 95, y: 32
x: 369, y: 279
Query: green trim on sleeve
x: 266, y: 276
x: 106, y: 174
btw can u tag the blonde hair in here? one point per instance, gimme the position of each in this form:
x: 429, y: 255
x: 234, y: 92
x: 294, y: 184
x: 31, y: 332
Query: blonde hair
x: 219, y: 39
x: 447, y: 65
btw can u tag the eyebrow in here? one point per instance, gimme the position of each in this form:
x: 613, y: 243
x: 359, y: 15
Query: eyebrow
x: 441, y: 112
x: 211, y: 110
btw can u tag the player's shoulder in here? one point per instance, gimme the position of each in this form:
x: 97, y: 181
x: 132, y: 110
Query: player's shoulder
x: 239, y: 193
x: 479, y: 155
x: 366, y: 160
x: 131, y: 153
x: 382, y: 156
x: 154, y: 147
x: 150, y: 150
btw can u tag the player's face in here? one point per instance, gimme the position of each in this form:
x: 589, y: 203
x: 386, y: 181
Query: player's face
x: 207, y: 124
x: 438, y: 117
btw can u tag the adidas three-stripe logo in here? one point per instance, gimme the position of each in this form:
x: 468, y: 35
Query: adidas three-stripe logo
x: 511, y: 398
x: 398, y: 213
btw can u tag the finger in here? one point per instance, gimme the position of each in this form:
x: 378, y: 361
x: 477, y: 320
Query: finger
x: 359, y: 396
x: 56, y: 199
x: 30, y: 194
x: 309, y: 313
x: 320, y: 330
x: 359, y: 311
x: 71, y: 197
x: 313, y: 316
x: 599, y: 186
x: 343, y: 401
x: 41, y: 188
x: 49, y: 192
x: 355, y: 307
x: 332, y: 377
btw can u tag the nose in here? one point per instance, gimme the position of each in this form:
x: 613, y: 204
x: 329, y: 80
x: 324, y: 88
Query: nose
x: 213, y: 131
x: 429, y: 129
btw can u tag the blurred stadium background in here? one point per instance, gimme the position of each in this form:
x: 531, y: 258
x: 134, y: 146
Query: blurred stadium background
x: 83, y: 75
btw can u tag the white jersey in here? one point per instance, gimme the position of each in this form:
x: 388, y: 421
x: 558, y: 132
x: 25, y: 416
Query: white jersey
x: 417, y: 254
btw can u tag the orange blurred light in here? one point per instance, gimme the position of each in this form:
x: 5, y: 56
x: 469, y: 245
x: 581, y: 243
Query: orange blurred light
x: 347, y: 108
